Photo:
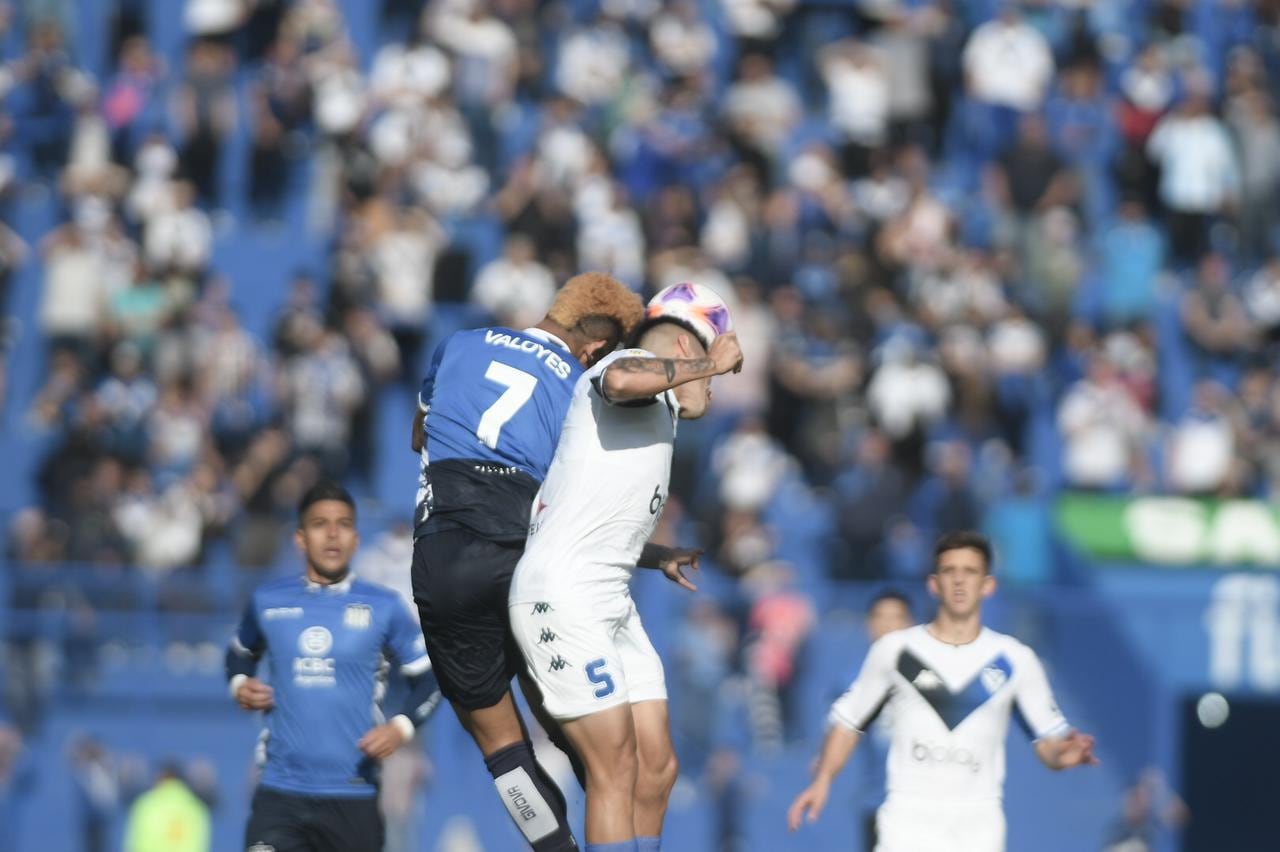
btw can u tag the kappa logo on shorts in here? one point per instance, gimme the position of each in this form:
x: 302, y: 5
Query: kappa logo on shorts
x: 559, y: 663
x: 547, y: 636
x: 541, y: 608
x: 261, y: 847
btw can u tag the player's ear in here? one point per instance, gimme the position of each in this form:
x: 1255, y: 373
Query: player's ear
x: 988, y: 585
x: 592, y: 352
x: 298, y: 540
x: 932, y: 583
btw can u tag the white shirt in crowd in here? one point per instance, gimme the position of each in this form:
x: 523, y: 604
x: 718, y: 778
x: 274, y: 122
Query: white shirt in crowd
x: 1009, y: 63
x: 519, y: 293
x: 859, y: 90
x: 1101, y: 425
x: 1198, y: 169
x: 905, y: 395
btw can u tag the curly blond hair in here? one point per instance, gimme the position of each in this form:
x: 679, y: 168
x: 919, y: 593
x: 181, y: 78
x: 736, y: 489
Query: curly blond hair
x: 596, y: 295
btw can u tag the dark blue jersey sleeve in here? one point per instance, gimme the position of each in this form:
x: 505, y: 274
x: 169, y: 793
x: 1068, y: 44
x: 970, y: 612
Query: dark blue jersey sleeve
x: 247, y: 645
x: 406, y: 648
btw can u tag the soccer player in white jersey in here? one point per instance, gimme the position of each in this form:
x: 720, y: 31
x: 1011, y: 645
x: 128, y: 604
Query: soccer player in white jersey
x: 951, y: 686
x: 570, y: 604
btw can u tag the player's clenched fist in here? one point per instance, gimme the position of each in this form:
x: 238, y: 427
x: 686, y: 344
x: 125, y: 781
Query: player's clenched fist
x: 253, y: 694
x: 726, y: 353
x: 808, y: 804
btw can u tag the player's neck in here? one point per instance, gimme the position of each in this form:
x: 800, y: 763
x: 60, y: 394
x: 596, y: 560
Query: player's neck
x: 953, y: 630
x: 314, y: 576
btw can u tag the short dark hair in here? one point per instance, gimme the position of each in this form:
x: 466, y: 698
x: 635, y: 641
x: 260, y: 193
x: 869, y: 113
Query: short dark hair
x: 325, y: 489
x: 889, y: 595
x: 960, y: 540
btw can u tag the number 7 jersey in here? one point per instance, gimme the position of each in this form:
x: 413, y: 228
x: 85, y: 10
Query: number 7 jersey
x: 495, y: 400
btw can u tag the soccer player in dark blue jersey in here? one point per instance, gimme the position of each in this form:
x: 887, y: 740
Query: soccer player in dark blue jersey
x: 328, y: 639
x: 489, y: 418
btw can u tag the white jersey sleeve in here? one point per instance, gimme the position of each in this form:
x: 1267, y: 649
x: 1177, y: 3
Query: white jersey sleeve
x: 1034, y: 699
x: 870, y: 690
x: 596, y: 374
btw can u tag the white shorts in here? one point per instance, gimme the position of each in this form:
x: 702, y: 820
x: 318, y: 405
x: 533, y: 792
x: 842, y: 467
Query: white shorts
x: 928, y: 825
x: 587, y: 657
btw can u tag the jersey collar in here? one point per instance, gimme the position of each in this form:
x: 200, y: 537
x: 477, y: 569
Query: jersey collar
x: 331, y: 588
x: 543, y: 334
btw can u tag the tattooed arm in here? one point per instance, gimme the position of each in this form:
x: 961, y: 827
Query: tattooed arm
x: 630, y: 379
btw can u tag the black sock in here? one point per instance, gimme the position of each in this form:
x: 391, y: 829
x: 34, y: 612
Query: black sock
x: 533, y: 800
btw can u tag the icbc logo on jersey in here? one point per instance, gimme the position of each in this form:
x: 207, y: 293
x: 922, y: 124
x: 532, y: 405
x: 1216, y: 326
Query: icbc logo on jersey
x: 313, y: 668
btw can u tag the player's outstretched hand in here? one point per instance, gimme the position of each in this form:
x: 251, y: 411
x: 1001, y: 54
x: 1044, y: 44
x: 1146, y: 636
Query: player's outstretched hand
x: 253, y: 694
x: 808, y: 804
x: 726, y: 353
x: 1076, y: 750
x: 680, y: 557
x: 381, y: 741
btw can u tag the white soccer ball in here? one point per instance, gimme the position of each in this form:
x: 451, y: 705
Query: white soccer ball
x: 698, y: 308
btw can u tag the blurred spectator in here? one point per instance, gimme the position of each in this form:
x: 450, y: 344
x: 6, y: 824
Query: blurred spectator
x: 594, y: 62
x: 17, y: 778
x: 681, y: 40
x: 762, y: 109
x: 403, y: 254
x: 870, y: 498
x: 129, y: 99
x: 1148, y: 810
x: 906, y: 393
x: 858, y: 84
x: 1104, y: 430
x: 179, y: 239
x: 206, y: 112
x: 98, y: 792
x: 1251, y: 117
x: 1131, y: 256
x: 1202, y: 452
x: 168, y: 817
x: 1199, y: 173
x: 515, y: 289
x: 755, y: 23
x: 1213, y: 315
x: 319, y: 391
x: 1008, y: 67
x: 944, y: 499
x: 780, y: 621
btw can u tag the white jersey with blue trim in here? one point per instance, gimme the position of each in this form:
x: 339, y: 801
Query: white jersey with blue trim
x: 603, y: 494
x: 951, y: 706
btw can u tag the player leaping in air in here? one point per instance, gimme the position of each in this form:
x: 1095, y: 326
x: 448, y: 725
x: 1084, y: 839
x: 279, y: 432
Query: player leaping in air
x: 951, y: 686
x: 490, y: 413
x: 571, y: 609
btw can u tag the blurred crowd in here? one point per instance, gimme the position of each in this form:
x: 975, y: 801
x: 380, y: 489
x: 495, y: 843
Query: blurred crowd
x: 978, y: 252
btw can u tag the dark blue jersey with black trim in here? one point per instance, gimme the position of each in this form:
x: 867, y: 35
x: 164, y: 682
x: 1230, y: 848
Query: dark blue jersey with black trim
x: 495, y: 400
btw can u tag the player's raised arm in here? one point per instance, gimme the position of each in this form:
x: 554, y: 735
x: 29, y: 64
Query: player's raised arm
x: 641, y: 377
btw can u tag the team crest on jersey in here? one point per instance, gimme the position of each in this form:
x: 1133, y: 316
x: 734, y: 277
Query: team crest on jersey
x: 357, y: 616
x: 993, y: 678
x: 927, y: 680
x: 315, y: 641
